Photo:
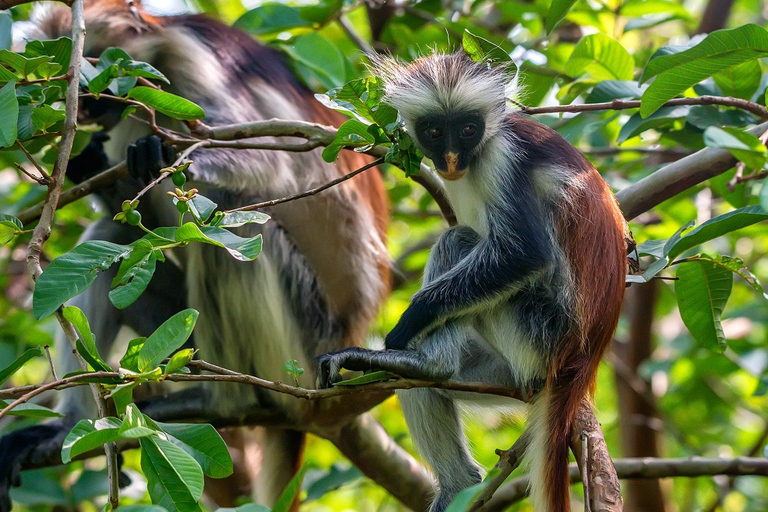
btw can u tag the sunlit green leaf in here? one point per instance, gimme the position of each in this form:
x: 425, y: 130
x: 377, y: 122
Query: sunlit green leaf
x: 9, y: 114
x: 174, y: 478
x: 170, y: 336
x: 9, y: 370
x: 167, y: 103
x: 602, y: 57
x: 88, y: 435
x: 72, y: 273
x: 720, y: 50
x: 702, y: 290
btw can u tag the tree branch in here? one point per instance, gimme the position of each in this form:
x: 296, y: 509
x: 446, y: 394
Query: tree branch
x: 645, y: 468
x: 677, y: 177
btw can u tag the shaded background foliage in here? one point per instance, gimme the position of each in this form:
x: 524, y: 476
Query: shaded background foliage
x: 662, y: 391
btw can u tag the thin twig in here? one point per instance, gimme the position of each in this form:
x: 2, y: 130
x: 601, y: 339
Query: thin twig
x: 47, y: 349
x: 307, y: 193
x: 182, y: 156
x: 361, y: 43
x: 45, y: 175
x: 725, y: 101
x: 36, y: 179
x: 509, y: 460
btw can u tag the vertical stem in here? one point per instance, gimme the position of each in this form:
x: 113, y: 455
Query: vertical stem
x: 43, y: 229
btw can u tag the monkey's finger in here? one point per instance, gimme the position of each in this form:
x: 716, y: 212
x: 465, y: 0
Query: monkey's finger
x: 169, y: 155
x: 155, y: 155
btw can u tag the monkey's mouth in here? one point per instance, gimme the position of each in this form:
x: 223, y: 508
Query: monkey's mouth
x: 452, y: 174
x: 452, y: 171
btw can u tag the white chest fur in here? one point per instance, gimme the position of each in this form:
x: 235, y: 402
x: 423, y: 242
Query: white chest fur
x: 468, y: 199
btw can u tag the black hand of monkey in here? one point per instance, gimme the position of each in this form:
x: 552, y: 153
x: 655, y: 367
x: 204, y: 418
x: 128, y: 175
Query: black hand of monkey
x: 91, y: 161
x: 354, y: 358
x: 147, y: 156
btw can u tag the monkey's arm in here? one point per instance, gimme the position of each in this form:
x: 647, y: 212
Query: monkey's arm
x: 517, y: 247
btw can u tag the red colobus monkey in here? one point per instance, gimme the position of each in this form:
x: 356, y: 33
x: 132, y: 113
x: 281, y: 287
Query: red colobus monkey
x: 323, y: 271
x: 525, y: 290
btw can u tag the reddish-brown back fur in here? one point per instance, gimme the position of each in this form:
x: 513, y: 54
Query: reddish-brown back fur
x: 590, y: 228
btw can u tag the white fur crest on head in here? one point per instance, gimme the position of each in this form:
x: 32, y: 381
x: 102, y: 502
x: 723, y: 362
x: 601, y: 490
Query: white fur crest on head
x: 445, y: 84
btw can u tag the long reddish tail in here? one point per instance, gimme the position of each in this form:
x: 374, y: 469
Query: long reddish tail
x: 551, y: 417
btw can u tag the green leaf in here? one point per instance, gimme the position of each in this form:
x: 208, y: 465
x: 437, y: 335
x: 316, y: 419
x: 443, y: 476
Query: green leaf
x: 167, y: 103
x: 362, y: 98
x: 465, y: 498
x: 170, y: 336
x: 6, y: 22
x: 174, y: 478
x: 367, y: 378
x: 204, y: 444
x: 742, y: 145
x: 122, y: 395
x: 736, y: 265
x: 482, y: 50
x: 59, y: 50
x: 31, y: 411
x: 88, y: 435
x: 9, y: 370
x: 248, y: 507
x: 702, y: 290
x: 10, y: 219
x: 602, y: 57
x: 636, y: 124
x: 72, y: 273
x: 609, y: 90
x: 21, y: 64
x: 741, y: 80
x: 134, y: 426
x: 334, y: 479
x: 130, y: 361
x: 76, y: 316
x: 237, y: 219
x: 243, y: 249
x: 134, y: 275
x: 179, y: 360
x: 291, y: 491
x: 96, y: 363
x: 142, y: 508
x: 716, y: 227
x: 9, y: 114
x: 45, y: 116
x: 293, y: 369
x: 719, y: 51
x: 319, y: 63
x: 557, y: 11
x: 201, y: 207
x: 10, y: 226
x: 271, y: 18
x: 352, y: 133
x: 764, y: 196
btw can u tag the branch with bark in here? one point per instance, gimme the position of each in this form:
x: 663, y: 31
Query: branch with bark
x: 643, y: 467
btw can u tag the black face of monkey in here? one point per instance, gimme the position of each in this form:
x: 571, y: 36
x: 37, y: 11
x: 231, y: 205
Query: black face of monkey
x: 449, y: 140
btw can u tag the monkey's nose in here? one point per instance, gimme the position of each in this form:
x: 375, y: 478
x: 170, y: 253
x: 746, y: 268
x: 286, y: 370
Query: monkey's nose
x: 452, y: 161
x: 452, y: 172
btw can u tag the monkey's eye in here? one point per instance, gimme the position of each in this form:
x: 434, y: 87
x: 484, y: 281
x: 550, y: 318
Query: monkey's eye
x: 469, y: 131
x: 433, y: 133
